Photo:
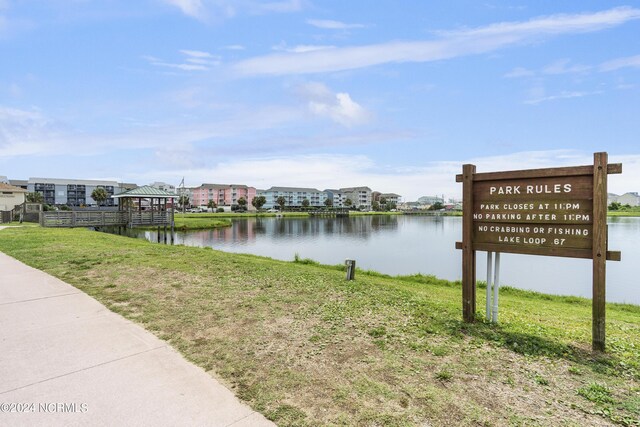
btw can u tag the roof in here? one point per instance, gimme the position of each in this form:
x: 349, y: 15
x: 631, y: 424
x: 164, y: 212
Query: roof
x: 220, y: 186
x: 146, y: 191
x: 389, y: 195
x: 295, y: 189
x: 57, y: 181
x: 11, y: 188
x: 349, y: 189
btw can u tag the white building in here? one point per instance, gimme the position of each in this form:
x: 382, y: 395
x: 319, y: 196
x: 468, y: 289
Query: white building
x: 360, y: 197
x: 164, y: 187
x: 294, y: 196
x: 11, y: 196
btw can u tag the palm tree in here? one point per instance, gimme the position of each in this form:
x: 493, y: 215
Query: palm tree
x: 99, y: 195
x: 35, y: 198
x: 328, y: 202
x: 281, y: 201
x: 183, y: 200
x: 305, y: 203
x: 348, y: 203
x: 212, y: 205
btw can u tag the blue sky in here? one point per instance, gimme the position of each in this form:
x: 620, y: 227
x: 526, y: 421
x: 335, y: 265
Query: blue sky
x: 393, y: 95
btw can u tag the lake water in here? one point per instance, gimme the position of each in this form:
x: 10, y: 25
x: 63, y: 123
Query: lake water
x: 420, y: 244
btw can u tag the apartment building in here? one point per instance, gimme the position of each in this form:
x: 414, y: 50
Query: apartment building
x: 221, y: 194
x: 389, y: 197
x: 336, y: 196
x: 360, y: 197
x: 72, y: 192
x: 164, y: 187
x: 294, y: 196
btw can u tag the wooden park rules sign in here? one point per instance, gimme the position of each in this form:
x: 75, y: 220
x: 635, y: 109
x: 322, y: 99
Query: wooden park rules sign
x: 553, y: 212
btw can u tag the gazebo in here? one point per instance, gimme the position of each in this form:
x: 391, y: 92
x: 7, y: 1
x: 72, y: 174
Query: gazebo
x: 147, y: 206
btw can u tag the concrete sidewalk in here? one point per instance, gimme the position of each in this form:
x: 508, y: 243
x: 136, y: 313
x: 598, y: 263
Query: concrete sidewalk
x: 66, y: 360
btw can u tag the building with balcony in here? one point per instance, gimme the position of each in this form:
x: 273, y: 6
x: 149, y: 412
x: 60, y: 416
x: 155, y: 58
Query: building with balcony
x: 72, y: 192
x: 336, y: 196
x: 394, y: 198
x: 360, y: 197
x: 294, y: 197
x: 222, y: 195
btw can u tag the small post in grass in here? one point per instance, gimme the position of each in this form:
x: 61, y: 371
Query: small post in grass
x: 351, y: 268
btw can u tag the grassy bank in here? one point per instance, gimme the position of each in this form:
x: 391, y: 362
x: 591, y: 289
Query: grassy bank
x: 194, y: 223
x: 186, y: 223
x: 241, y: 215
x: 304, y: 347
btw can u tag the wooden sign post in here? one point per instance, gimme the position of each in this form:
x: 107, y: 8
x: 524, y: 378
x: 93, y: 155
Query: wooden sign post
x: 553, y: 212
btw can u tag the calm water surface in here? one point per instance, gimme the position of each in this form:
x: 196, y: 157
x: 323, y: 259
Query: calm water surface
x: 419, y: 244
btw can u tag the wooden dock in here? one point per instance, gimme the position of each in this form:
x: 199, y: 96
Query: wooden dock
x: 104, y: 219
x: 330, y: 213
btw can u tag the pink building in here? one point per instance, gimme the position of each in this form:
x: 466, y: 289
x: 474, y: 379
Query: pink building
x: 222, y: 194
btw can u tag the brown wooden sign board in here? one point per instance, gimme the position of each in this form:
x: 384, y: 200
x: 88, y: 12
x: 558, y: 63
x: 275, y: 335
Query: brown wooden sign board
x: 552, y: 212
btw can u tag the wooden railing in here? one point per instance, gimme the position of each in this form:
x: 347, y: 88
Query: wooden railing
x: 103, y: 219
x: 150, y: 218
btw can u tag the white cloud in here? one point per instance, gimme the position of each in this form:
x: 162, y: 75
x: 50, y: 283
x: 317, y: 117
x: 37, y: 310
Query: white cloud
x: 616, y: 64
x: 563, y: 66
x: 24, y: 132
x: 332, y: 25
x: 300, y: 48
x: 561, y: 95
x: 195, y: 61
x: 196, y: 53
x: 331, y: 171
x: 284, y: 6
x: 233, y: 47
x: 339, y: 107
x: 205, y: 10
x: 192, y: 8
x: 449, y: 45
x: 519, y: 72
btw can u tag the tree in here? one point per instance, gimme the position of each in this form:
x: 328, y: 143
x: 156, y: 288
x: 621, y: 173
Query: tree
x: 183, y: 200
x: 212, y: 205
x: 281, y: 201
x: 383, y: 201
x: 348, y: 203
x: 242, y: 202
x: 35, y: 198
x: 258, y: 202
x: 615, y: 206
x: 328, y: 203
x: 390, y: 206
x: 375, y: 206
x: 99, y: 195
x: 436, y: 206
x: 305, y: 203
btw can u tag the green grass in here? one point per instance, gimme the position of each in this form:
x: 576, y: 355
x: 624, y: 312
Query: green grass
x: 194, y: 223
x: 307, y: 348
x: 624, y: 213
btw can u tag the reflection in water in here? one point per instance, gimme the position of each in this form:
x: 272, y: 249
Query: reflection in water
x: 418, y: 244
